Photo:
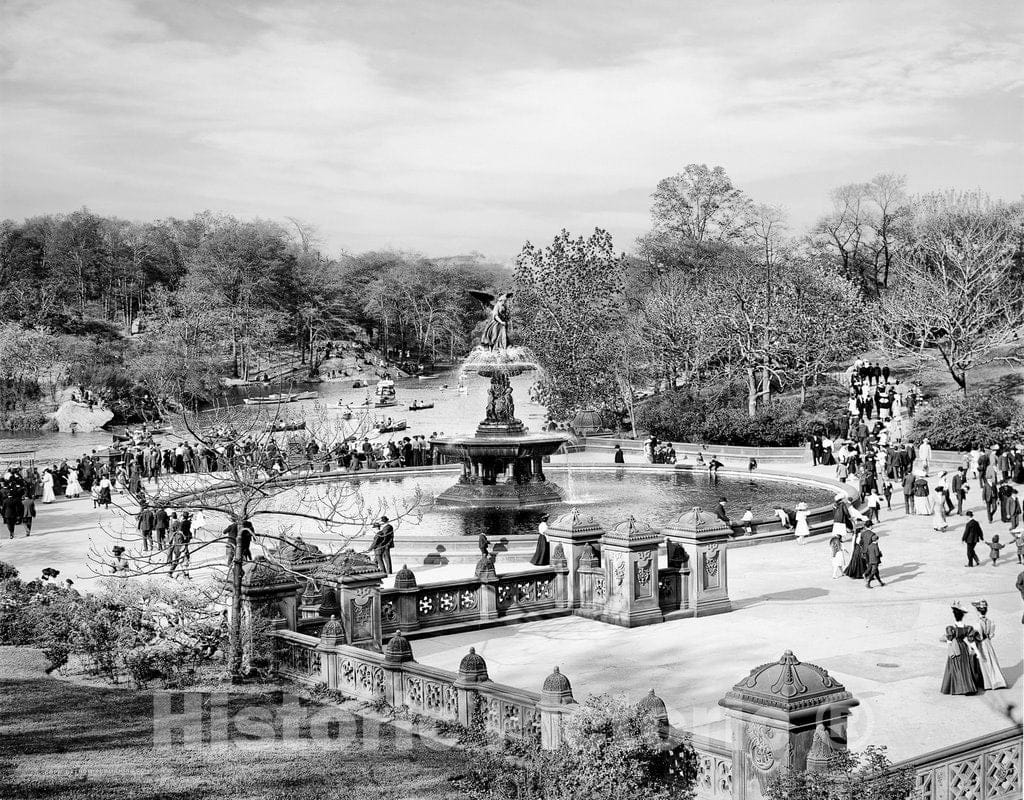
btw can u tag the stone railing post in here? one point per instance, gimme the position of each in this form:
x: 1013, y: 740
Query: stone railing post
x: 331, y: 634
x: 397, y: 653
x: 408, y: 614
x: 360, y: 608
x: 629, y: 553
x: 556, y: 702
x: 573, y: 532
x: 560, y: 564
x: 784, y: 715
x: 706, y: 538
x: 472, y: 673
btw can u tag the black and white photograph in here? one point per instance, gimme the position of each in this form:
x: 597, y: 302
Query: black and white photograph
x: 511, y: 400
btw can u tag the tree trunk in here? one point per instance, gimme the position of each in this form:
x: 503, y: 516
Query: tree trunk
x: 235, y: 628
x: 751, y: 392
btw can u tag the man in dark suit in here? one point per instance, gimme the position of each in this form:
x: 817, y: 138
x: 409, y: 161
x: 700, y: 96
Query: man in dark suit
x: 874, y: 555
x: 908, y: 491
x: 146, y: 523
x: 383, y: 541
x: 972, y: 535
x: 958, y: 488
x: 161, y: 522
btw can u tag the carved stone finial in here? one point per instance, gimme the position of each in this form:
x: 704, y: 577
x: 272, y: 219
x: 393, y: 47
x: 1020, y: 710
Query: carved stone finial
x: 398, y: 650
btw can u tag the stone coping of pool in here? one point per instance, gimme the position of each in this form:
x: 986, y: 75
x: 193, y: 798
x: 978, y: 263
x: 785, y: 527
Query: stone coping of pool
x: 770, y: 528
x: 637, y: 445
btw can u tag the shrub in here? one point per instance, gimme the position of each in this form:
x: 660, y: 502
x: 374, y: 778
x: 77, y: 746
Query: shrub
x: 849, y: 776
x: 675, y: 416
x: 956, y: 422
x: 610, y: 748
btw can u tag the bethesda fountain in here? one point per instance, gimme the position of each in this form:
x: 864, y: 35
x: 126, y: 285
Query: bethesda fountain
x: 503, y: 462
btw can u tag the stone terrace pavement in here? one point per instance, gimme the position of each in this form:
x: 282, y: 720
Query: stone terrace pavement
x: 882, y: 643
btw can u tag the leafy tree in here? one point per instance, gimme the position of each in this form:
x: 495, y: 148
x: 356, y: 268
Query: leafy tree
x: 700, y: 204
x: 569, y: 308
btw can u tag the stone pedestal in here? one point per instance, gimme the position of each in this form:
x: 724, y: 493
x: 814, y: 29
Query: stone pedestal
x: 573, y: 532
x: 472, y: 673
x: 705, y: 538
x: 784, y: 715
x: 556, y: 702
x: 405, y: 584
x: 629, y: 554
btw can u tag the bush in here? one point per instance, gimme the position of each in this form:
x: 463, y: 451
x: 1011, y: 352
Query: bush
x: 610, y: 748
x: 956, y: 422
x: 147, y: 631
x: 678, y: 417
x: 849, y: 776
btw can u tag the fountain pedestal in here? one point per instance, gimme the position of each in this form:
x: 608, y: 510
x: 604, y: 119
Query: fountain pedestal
x: 503, y: 463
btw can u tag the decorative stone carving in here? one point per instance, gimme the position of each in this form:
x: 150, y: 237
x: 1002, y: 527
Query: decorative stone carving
x: 472, y: 668
x: 398, y: 650
x: 556, y: 690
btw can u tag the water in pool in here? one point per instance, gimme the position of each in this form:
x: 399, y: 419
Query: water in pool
x: 610, y: 496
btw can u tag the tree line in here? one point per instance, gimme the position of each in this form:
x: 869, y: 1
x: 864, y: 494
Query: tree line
x: 171, y: 307
x: 720, y: 289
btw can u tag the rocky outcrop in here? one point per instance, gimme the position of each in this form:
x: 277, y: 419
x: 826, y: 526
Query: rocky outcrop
x: 74, y: 417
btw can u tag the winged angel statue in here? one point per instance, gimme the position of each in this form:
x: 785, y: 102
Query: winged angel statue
x: 495, y: 335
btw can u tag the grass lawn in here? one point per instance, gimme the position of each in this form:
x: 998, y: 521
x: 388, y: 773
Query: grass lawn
x: 62, y: 740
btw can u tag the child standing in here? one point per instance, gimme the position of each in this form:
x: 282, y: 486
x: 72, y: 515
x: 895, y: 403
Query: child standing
x: 1018, y: 538
x: 874, y: 504
x: 994, y: 547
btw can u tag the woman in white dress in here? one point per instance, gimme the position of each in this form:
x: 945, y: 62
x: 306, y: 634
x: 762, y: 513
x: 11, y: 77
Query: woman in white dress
x: 802, y: 529
x: 48, y: 496
x: 990, y: 669
x: 74, y: 488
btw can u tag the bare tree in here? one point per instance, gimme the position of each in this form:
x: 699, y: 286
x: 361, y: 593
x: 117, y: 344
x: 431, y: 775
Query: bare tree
x: 956, y: 301
x: 264, y: 489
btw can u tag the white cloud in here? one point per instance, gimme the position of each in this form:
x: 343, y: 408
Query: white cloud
x: 382, y: 136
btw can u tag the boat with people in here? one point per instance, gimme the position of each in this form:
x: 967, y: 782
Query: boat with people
x: 390, y: 425
x: 384, y: 393
x: 419, y: 405
x: 282, y: 425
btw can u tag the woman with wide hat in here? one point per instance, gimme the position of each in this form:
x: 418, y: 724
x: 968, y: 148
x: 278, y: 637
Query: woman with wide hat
x: 991, y: 673
x: 962, y: 674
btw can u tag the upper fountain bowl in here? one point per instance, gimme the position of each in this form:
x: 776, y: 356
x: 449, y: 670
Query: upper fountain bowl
x: 500, y: 361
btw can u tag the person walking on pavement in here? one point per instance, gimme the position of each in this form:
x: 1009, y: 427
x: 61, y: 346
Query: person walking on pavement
x: 908, y: 491
x: 874, y: 557
x: 972, y: 535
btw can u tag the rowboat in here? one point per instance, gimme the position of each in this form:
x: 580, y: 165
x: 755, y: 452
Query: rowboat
x: 269, y: 400
x: 305, y: 396
x: 417, y: 406
x: 392, y: 427
x: 283, y: 425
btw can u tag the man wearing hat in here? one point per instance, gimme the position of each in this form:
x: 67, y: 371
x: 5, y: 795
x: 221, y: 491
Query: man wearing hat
x: 383, y: 542
x: 874, y: 557
x: 972, y: 535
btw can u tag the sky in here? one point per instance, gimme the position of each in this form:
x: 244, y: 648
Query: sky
x: 476, y: 125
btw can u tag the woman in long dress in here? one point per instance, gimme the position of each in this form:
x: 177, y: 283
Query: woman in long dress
x: 838, y: 552
x: 991, y: 673
x: 962, y: 676
x: 939, y: 511
x: 802, y: 529
x: 542, y: 555
x: 858, y: 566
x: 48, y: 496
x: 74, y: 488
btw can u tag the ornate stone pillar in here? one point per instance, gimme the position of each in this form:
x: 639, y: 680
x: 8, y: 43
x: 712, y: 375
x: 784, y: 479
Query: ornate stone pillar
x: 573, y: 533
x: 784, y: 715
x: 408, y: 614
x: 331, y: 634
x: 556, y: 702
x: 705, y: 537
x: 397, y: 653
x: 472, y: 672
x: 629, y: 552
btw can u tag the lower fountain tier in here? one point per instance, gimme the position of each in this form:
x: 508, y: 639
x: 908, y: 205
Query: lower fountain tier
x: 501, y: 471
x: 501, y: 495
